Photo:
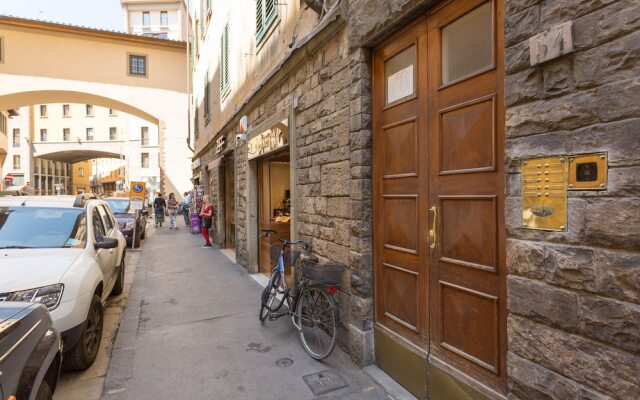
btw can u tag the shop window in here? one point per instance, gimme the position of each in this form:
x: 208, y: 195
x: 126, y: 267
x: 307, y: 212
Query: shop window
x: 224, y: 62
x: 467, y: 44
x: 276, y: 193
x: 266, y: 13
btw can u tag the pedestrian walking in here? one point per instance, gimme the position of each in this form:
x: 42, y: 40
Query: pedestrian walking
x: 160, y: 208
x: 172, y: 208
x: 206, y: 213
x: 186, y: 208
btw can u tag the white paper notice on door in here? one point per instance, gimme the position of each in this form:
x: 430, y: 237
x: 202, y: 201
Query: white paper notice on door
x: 400, y: 84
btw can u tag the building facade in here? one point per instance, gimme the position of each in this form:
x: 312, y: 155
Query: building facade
x: 474, y: 164
x: 132, y: 142
x: 162, y: 19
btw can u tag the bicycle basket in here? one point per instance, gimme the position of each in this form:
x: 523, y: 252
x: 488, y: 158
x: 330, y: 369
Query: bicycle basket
x: 290, y: 255
x: 324, y: 274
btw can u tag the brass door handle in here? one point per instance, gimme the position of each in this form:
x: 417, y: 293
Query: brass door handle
x: 432, y: 232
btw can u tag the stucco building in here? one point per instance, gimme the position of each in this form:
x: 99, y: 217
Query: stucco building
x: 474, y: 164
x: 57, y: 65
x: 162, y: 19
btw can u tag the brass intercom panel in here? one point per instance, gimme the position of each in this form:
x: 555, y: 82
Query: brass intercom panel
x: 588, y: 172
x: 544, y: 194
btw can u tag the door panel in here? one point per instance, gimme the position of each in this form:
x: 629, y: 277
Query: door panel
x: 400, y: 177
x: 467, y: 270
x: 438, y: 188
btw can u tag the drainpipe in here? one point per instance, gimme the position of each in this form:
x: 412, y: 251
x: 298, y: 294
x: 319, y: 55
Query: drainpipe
x: 189, y: 77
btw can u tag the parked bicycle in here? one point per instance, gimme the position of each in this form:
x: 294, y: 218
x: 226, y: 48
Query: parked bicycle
x: 312, y: 307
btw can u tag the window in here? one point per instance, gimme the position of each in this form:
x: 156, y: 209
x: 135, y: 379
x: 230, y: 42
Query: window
x: 207, y: 107
x: 43, y: 110
x: 65, y: 110
x: 137, y: 65
x: 81, y: 172
x: 16, y: 138
x: 164, y: 18
x: 98, y: 226
x: 43, y: 135
x: 112, y: 112
x: 66, y: 134
x: 89, y: 110
x: 89, y: 133
x: 1, y: 49
x: 108, y: 223
x: 196, y: 122
x: 144, y: 136
x: 146, y: 18
x: 224, y: 63
x: 113, y: 133
x: 16, y: 162
x: 265, y: 15
x: 144, y: 160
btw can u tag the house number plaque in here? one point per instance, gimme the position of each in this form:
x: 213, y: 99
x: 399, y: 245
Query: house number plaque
x: 544, y: 194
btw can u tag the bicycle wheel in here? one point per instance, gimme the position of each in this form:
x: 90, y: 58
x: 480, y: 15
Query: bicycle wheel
x: 318, y: 318
x: 269, y: 299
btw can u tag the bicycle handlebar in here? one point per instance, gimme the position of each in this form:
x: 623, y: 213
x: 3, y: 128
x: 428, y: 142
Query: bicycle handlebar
x: 267, y: 232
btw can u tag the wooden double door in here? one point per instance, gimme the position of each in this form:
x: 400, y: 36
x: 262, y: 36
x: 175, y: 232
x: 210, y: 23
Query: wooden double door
x: 438, y: 182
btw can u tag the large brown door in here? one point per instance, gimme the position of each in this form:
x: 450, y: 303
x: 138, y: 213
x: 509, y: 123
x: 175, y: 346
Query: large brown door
x: 400, y: 180
x: 449, y: 211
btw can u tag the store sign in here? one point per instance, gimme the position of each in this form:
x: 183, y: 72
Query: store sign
x: 221, y: 144
x: 195, y: 164
x: 270, y: 140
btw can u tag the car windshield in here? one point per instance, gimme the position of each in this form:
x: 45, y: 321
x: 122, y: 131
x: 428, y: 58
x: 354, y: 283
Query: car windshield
x: 39, y: 227
x: 119, y: 206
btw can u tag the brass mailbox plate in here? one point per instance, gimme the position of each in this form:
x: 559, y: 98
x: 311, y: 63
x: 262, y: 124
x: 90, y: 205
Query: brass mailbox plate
x: 600, y: 160
x: 544, y: 194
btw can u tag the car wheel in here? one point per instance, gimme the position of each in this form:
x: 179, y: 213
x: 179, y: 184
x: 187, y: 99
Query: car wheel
x: 84, y: 353
x: 118, y: 287
x: 44, y: 392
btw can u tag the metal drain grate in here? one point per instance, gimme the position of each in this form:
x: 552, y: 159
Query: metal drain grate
x: 324, y: 382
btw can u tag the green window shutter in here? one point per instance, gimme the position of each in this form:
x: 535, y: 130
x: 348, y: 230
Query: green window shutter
x: 224, y: 61
x: 259, y: 20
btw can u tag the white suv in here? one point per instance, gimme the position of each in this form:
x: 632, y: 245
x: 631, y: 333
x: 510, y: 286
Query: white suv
x: 67, y: 253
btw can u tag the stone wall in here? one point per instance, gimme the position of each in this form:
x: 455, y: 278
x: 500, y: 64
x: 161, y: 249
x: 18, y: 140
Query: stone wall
x: 574, y: 297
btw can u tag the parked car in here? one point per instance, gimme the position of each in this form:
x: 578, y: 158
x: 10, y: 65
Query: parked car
x: 128, y: 219
x: 14, y: 191
x: 30, y: 352
x: 66, y: 253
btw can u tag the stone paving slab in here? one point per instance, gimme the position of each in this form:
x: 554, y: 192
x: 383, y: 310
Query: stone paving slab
x: 191, y: 330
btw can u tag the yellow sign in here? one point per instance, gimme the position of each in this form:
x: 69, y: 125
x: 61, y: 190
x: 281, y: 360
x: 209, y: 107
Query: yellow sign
x: 137, y: 193
x: 544, y: 194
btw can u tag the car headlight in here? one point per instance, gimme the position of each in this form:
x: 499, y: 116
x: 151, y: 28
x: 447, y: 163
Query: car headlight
x: 129, y: 224
x: 48, y: 295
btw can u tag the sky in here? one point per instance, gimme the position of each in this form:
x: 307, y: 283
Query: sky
x: 101, y: 14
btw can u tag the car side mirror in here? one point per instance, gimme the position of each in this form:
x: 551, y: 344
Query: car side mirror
x: 106, y: 243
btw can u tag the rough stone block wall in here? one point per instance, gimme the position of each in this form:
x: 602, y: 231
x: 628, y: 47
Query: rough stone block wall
x: 574, y: 297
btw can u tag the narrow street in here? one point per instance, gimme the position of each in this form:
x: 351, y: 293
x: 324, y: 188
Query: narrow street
x: 190, y: 330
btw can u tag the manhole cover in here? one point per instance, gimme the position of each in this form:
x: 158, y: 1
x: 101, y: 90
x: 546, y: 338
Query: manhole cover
x: 284, y: 362
x: 324, y: 382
